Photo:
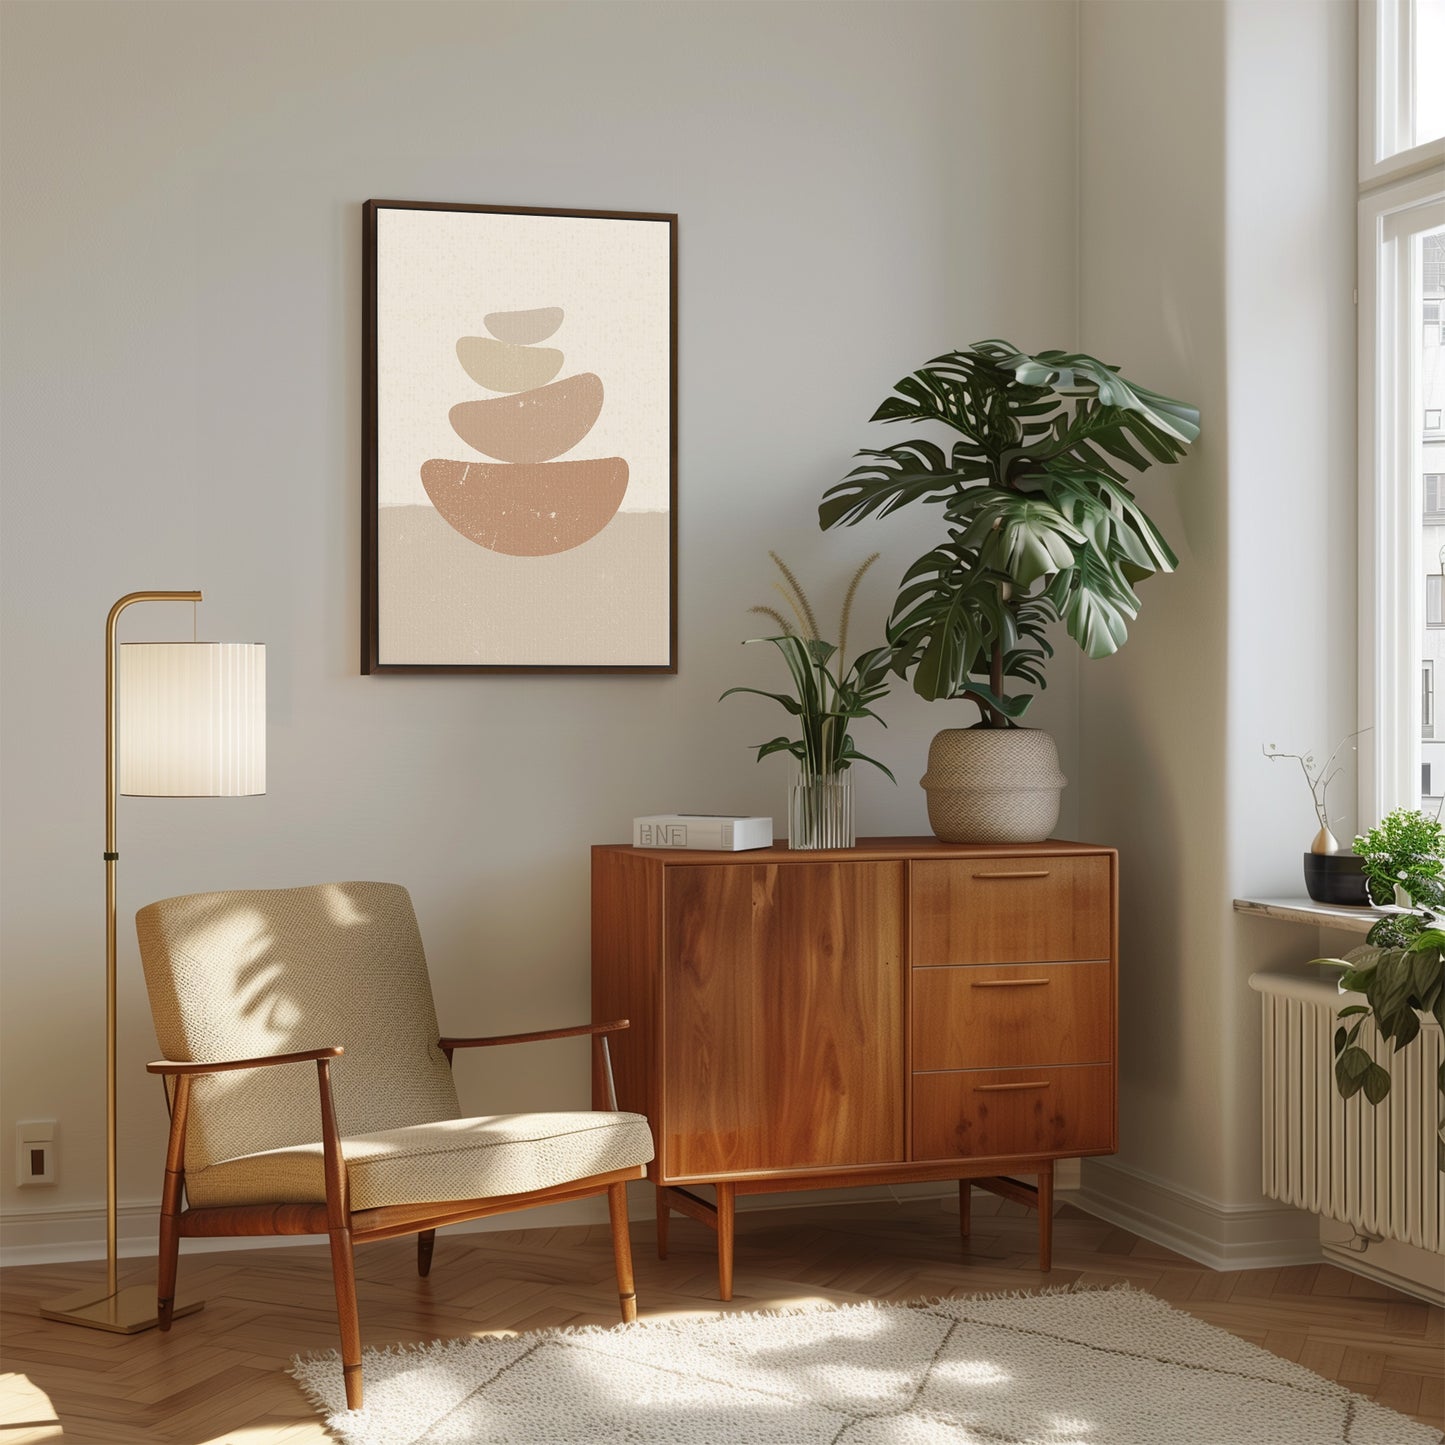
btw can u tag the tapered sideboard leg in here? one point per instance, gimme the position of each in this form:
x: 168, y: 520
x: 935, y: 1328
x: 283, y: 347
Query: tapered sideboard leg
x: 725, y: 1193
x: 1046, y: 1216
x: 663, y: 1213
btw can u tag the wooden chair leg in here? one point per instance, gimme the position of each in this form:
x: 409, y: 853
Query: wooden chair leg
x: 425, y: 1243
x: 343, y: 1271
x: 170, y: 1249
x: 172, y: 1192
x: 1046, y: 1217
x: 725, y: 1214
x: 664, y: 1214
x: 965, y: 1207
x: 622, y: 1250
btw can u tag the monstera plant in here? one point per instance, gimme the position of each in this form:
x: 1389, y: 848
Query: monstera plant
x: 1039, y: 521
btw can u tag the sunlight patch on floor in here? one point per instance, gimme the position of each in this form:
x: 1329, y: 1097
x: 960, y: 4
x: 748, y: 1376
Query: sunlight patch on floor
x: 26, y: 1415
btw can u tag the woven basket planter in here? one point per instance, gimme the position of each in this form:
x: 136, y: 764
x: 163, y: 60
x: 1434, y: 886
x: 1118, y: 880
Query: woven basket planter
x: 993, y: 785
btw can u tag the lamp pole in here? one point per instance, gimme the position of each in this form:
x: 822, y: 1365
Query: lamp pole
x: 127, y: 1311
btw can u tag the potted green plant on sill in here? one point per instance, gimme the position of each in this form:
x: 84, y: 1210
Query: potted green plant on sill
x: 1399, y: 970
x: 1039, y: 525
x: 829, y: 696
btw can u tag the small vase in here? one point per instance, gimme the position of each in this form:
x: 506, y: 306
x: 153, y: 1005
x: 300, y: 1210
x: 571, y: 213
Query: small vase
x: 820, y: 810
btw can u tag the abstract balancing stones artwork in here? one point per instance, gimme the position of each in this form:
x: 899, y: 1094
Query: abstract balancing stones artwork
x: 525, y: 502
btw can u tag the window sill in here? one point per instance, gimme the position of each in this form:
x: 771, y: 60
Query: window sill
x: 1305, y: 910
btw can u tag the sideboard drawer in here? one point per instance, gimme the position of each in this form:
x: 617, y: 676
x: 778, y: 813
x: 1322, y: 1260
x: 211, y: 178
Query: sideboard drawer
x: 991, y: 1016
x: 980, y: 1113
x: 1011, y: 910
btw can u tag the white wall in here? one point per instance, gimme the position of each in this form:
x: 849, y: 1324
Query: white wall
x: 181, y: 407
x: 1217, y: 242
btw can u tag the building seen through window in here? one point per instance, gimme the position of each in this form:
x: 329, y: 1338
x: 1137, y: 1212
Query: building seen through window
x: 1432, y: 477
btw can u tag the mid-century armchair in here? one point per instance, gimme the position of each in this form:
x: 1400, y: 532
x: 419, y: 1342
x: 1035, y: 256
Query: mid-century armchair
x: 250, y: 989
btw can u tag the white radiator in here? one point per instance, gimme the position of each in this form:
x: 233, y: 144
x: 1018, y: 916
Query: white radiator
x: 1371, y: 1167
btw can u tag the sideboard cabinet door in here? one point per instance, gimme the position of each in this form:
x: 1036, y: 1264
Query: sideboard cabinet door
x: 783, y: 1007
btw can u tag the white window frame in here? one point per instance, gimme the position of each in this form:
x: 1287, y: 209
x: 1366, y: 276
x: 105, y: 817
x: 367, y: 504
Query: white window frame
x: 1392, y: 599
x: 1401, y: 194
x: 1387, y: 95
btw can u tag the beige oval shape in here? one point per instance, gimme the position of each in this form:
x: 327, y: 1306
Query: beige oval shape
x: 522, y: 328
x: 532, y: 426
x: 500, y: 366
x: 528, y: 510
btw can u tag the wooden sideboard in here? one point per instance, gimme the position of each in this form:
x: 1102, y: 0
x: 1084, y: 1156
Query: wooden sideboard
x: 905, y: 1010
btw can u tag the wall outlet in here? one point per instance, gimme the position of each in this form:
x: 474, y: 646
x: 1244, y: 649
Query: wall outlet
x: 35, y: 1151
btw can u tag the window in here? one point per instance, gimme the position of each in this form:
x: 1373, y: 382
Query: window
x: 1402, y: 99
x: 1402, y: 396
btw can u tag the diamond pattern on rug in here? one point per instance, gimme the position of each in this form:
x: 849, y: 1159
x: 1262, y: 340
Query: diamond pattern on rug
x: 1090, y: 1367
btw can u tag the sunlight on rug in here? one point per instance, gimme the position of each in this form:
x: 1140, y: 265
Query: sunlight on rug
x: 1091, y: 1367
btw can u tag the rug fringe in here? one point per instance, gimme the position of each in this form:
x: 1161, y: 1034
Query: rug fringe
x: 445, y: 1346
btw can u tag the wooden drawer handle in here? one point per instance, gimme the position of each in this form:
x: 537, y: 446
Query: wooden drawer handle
x: 1043, y: 874
x: 1010, y: 982
x: 999, y: 1088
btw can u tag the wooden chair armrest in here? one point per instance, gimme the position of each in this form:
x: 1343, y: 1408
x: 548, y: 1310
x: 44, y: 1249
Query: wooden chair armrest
x: 580, y: 1031
x: 171, y: 1066
x: 338, y: 1189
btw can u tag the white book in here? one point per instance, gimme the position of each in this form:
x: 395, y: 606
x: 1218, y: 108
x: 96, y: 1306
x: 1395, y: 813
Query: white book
x: 715, y: 832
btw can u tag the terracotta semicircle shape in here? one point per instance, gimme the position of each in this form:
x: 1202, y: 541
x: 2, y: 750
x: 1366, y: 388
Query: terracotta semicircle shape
x: 522, y: 328
x: 530, y: 509
x: 500, y: 366
x: 531, y: 426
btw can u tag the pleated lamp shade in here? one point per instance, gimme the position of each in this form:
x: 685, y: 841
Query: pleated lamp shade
x: 192, y: 719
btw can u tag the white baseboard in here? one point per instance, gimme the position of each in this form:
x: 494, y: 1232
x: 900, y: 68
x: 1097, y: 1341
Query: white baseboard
x: 1222, y: 1236
x: 1413, y: 1271
x: 77, y: 1232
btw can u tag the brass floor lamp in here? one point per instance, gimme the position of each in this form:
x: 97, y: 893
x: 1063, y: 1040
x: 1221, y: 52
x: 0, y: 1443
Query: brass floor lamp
x: 192, y: 723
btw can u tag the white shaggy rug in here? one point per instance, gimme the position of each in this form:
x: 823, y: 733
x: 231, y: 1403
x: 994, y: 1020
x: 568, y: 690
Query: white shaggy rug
x: 1093, y: 1367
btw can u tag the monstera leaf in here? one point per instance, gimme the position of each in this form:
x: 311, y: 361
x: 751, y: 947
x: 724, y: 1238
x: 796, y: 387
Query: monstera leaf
x: 1067, y: 372
x: 1023, y: 537
x: 949, y: 617
x: 1096, y: 604
x: 916, y: 471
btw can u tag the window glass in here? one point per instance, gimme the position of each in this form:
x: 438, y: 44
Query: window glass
x: 1428, y: 61
x: 1435, y: 497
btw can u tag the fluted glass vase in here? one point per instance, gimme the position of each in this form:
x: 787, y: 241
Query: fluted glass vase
x: 820, y: 810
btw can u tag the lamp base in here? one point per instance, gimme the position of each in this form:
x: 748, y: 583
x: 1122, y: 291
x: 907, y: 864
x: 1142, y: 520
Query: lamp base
x: 126, y: 1312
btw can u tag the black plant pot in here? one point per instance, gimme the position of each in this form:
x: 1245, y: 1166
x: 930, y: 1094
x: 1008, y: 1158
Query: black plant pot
x: 1336, y: 878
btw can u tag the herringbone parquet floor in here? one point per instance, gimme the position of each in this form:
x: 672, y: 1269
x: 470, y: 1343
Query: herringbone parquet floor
x: 217, y: 1378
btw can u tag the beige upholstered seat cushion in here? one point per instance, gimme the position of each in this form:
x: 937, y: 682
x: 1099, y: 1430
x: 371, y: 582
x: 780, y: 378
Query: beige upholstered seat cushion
x: 433, y: 1163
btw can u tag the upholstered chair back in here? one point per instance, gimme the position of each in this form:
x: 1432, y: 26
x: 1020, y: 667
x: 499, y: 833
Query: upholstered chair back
x: 243, y: 974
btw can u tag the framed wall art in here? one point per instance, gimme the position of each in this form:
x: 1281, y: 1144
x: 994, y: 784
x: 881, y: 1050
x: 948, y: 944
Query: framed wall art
x: 520, y: 452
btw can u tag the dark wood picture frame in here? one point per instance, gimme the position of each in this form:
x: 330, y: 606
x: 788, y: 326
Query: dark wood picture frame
x: 445, y: 473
